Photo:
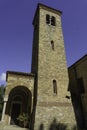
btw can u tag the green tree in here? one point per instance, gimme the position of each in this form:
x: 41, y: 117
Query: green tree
x: 2, y: 90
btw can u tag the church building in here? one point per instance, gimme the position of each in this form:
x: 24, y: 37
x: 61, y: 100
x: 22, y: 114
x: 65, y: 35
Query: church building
x: 42, y: 94
x: 78, y: 89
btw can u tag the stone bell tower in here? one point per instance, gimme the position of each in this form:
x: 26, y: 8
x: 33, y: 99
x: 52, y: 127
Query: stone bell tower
x: 49, y: 65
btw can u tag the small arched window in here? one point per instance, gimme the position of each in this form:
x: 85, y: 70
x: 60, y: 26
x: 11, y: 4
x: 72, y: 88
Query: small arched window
x: 50, y: 20
x: 54, y: 86
x: 52, y: 44
x: 47, y: 18
x: 53, y: 21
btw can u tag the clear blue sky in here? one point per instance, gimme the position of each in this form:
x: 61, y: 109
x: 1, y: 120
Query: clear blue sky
x: 16, y: 31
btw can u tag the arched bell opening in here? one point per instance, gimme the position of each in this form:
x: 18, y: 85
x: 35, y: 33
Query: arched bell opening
x: 19, y: 102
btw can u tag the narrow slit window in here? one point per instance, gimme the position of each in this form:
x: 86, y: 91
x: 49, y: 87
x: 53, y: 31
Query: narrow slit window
x: 48, y: 19
x: 54, y: 86
x: 53, y: 21
x: 52, y: 44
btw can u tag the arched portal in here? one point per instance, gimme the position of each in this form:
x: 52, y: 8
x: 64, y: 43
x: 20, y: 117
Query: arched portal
x: 16, y: 108
x: 19, y: 102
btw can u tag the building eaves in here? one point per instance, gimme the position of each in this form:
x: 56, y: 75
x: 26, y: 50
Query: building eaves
x: 78, y: 61
x: 19, y: 73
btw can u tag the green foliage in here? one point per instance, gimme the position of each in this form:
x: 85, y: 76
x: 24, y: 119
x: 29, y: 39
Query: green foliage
x: 23, y: 119
x: 2, y: 90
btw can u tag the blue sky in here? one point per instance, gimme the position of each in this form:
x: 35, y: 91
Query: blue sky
x: 16, y: 32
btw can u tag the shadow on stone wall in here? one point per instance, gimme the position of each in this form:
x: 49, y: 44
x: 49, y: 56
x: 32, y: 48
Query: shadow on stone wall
x: 56, y: 126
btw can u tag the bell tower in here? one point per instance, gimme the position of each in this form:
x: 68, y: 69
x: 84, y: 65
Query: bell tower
x: 49, y: 65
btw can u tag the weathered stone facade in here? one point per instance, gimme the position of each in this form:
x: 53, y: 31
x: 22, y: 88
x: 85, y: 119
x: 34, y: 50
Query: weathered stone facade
x: 19, y: 90
x: 49, y: 65
x: 78, y: 88
x: 43, y: 93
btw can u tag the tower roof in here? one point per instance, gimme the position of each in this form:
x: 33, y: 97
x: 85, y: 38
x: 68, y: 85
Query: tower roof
x: 40, y: 5
x: 49, y: 8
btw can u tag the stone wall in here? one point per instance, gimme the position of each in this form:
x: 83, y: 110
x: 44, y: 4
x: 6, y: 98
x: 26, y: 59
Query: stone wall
x: 76, y: 71
x: 15, y: 79
x: 18, y: 84
x: 51, y: 65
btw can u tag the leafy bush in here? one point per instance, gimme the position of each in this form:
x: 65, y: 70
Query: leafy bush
x: 2, y: 90
x: 23, y: 119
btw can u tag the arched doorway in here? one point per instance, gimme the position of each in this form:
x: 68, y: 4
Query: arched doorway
x: 19, y: 102
x: 16, y: 109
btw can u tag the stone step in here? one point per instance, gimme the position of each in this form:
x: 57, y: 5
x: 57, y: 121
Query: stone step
x: 13, y: 127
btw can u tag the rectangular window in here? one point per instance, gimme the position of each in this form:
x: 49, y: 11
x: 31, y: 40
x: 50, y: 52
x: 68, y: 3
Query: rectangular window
x: 80, y: 85
x: 55, y: 86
